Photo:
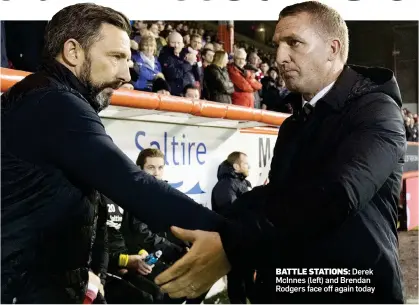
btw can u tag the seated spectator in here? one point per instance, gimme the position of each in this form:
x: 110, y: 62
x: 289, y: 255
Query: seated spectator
x: 192, y: 92
x: 244, y: 81
x: 217, y: 84
x: 149, y: 66
x: 207, y: 57
x: 160, y: 86
x: 177, y: 71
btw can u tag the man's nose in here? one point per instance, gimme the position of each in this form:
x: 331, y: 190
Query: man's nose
x: 123, y: 74
x: 282, y: 54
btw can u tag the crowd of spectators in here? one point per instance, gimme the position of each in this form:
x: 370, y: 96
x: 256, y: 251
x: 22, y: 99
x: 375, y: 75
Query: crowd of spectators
x: 411, y: 125
x: 177, y: 58
x: 186, y: 59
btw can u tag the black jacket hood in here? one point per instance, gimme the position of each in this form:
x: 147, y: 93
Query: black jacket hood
x: 225, y: 170
x: 374, y: 80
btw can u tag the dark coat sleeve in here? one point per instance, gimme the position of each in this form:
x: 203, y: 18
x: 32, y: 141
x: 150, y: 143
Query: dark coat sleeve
x: 363, y: 162
x: 100, y: 253
x: 73, y: 139
x: 138, y: 236
x: 223, y: 196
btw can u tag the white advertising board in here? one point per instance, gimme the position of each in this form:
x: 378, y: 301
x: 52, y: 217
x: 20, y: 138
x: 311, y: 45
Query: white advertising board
x: 193, y: 153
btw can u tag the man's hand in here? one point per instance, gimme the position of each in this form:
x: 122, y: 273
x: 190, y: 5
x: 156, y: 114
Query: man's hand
x: 199, y: 269
x: 136, y: 262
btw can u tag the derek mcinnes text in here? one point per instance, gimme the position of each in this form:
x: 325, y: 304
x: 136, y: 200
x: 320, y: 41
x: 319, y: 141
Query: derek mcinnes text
x: 323, y: 271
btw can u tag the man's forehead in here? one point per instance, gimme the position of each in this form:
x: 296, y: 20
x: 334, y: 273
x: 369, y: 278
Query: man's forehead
x: 114, y: 36
x: 293, y: 25
x: 154, y: 161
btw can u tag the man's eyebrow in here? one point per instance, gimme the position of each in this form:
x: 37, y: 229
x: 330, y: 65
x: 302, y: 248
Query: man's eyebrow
x: 287, y: 37
x: 119, y: 53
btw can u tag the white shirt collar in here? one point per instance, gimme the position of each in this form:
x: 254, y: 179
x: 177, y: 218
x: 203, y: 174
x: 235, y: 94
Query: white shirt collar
x: 319, y: 95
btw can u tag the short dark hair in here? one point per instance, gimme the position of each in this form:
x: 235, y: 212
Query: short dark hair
x: 329, y: 20
x: 148, y: 153
x: 205, y: 51
x: 234, y: 157
x: 81, y: 22
x: 189, y: 86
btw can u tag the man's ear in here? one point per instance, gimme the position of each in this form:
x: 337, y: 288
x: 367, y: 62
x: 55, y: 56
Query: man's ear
x: 334, y: 49
x: 72, y: 54
x: 236, y: 166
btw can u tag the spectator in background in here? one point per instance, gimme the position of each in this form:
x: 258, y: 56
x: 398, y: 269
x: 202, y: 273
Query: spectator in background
x: 252, y: 65
x: 138, y: 30
x: 192, y: 92
x: 196, y: 42
x: 217, y: 84
x: 411, y: 128
x: 179, y: 28
x: 149, y: 66
x: 161, y: 25
x: 244, y: 82
x: 177, y: 71
x: 197, y: 69
x: 274, y: 93
x: 207, y: 56
x: 264, y: 67
x: 154, y: 29
x: 186, y: 40
x: 201, y: 32
x: 185, y: 29
x: 160, y: 86
x: 218, y: 45
x: 209, y: 46
x: 168, y: 27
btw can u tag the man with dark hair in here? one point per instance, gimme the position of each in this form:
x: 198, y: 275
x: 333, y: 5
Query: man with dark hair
x: 51, y: 178
x: 335, y: 178
x: 138, y: 235
x: 207, y: 57
x: 191, y: 91
x: 127, y: 236
x: 232, y: 184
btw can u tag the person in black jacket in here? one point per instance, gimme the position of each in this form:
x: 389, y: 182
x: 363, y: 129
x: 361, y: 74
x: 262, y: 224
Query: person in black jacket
x: 56, y: 156
x: 126, y: 282
x: 138, y: 235
x: 177, y: 71
x: 100, y: 251
x: 334, y: 182
x: 217, y: 84
x: 232, y: 184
